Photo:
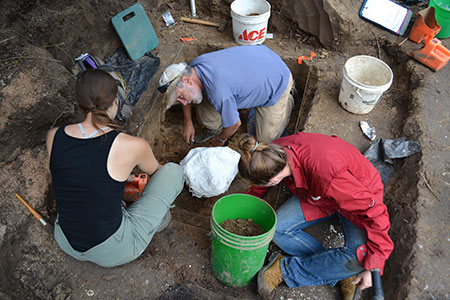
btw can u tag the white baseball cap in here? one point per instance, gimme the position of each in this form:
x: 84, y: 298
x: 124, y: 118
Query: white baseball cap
x: 169, y: 80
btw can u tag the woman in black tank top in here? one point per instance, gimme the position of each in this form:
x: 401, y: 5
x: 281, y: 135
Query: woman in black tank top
x: 90, y: 163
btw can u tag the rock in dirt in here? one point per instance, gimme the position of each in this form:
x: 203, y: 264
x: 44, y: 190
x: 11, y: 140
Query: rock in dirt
x: 2, y: 233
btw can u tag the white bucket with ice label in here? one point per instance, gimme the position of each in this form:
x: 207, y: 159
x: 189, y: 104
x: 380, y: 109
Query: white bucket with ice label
x: 366, y: 78
x: 250, y: 18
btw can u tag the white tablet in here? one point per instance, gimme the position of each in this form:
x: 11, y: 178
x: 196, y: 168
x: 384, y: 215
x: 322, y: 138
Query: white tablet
x: 386, y: 14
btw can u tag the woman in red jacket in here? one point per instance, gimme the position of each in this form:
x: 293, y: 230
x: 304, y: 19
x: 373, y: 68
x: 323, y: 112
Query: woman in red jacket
x: 328, y: 177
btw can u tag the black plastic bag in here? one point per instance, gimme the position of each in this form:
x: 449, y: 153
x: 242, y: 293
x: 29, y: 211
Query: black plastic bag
x: 381, y: 153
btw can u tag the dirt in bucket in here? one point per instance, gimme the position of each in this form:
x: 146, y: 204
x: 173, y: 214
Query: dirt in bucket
x: 242, y: 227
x: 252, y: 14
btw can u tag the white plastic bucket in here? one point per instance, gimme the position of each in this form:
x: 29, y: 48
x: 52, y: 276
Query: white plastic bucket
x: 366, y: 78
x: 250, y: 18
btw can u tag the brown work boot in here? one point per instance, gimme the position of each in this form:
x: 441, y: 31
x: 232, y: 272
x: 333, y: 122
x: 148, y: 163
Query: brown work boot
x: 348, y: 288
x: 269, y: 277
x: 205, y: 134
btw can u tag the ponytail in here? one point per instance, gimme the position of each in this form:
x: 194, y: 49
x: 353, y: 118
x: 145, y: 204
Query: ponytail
x: 95, y: 92
x: 260, y: 161
x: 100, y: 119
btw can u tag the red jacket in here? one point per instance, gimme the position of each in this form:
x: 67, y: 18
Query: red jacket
x: 330, y: 175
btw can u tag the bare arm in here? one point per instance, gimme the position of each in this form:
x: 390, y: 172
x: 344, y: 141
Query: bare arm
x: 226, y: 133
x: 188, y: 130
x: 146, y: 160
x: 128, y: 152
x: 49, y: 141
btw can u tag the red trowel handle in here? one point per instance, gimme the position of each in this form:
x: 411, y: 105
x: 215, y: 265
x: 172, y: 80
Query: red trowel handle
x: 134, y: 188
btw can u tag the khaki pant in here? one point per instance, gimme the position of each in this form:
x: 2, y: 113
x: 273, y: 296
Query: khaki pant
x: 270, y: 120
x: 139, y: 221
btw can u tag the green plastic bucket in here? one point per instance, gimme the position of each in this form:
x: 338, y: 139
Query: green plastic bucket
x: 442, y: 13
x: 236, y: 259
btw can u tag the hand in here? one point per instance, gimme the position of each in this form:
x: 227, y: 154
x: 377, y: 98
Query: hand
x: 131, y: 178
x: 189, y: 133
x: 216, y: 143
x: 363, y: 280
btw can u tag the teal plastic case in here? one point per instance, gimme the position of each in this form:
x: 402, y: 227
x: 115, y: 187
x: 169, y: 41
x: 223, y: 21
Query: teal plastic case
x: 135, y: 31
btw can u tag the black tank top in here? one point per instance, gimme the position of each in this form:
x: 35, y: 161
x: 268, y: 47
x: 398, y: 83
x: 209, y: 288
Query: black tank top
x: 88, y: 200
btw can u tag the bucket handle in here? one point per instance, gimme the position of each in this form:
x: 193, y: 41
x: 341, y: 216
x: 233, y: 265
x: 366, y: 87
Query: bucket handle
x: 225, y: 241
x: 367, y: 102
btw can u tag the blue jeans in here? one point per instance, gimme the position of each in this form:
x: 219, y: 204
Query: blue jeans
x: 309, y: 263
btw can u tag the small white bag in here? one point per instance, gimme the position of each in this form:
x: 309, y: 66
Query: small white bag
x: 209, y: 171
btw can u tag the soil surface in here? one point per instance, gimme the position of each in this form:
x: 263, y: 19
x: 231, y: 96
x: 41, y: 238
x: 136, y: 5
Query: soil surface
x: 242, y: 227
x: 38, y: 43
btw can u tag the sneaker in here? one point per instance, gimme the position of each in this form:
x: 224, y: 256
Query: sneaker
x: 206, y: 134
x: 269, y: 277
x: 165, y: 221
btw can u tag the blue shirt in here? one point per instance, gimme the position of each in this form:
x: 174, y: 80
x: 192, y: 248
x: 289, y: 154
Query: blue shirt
x: 241, y: 77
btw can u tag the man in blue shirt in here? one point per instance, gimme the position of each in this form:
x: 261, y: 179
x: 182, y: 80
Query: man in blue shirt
x: 234, y: 78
